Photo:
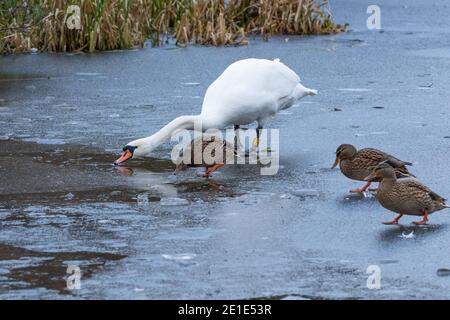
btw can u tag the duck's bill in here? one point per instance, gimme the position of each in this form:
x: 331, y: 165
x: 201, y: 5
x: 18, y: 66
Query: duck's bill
x: 126, y: 155
x: 371, y: 177
x: 336, y: 162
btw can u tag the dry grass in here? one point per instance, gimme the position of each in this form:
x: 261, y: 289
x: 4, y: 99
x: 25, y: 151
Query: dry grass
x: 116, y: 24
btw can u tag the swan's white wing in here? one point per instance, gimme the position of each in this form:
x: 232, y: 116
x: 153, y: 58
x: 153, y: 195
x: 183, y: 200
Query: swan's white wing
x: 248, y: 90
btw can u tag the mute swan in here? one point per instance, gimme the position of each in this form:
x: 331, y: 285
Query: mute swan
x: 248, y: 90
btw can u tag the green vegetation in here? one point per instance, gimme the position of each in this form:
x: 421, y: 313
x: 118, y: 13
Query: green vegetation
x: 117, y: 24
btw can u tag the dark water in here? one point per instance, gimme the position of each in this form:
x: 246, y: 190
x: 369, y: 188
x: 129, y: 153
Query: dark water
x: 143, y: 232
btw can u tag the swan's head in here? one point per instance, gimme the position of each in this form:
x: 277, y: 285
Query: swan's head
x: 135, y: 149
x: 127, y: 153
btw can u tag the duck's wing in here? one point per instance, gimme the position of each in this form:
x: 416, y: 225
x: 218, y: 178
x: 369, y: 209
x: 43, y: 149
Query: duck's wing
x: 374, y: 157
x: 419, y: 190
x: 397, y: 163
x: 368, y: 158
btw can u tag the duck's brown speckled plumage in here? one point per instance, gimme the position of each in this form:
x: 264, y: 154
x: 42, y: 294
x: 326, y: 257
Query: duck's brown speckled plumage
x: 208, y: 145
x: 408, y: 197
x: 405, y: 196
x: 362, y: 163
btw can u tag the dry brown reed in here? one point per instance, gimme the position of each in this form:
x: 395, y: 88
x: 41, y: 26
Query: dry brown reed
x: 117, y: 24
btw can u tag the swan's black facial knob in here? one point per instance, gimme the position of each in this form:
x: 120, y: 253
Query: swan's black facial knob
x: 129, y: 148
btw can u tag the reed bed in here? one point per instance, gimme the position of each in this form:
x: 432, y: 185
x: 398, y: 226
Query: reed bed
x: 118, y: 24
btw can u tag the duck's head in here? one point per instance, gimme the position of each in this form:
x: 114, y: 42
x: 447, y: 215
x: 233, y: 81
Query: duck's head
x: 381, y: 171
x: 344, y: 151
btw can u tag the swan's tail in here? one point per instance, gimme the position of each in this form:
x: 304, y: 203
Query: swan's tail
x: 303, y: 91
x: 313, y: 92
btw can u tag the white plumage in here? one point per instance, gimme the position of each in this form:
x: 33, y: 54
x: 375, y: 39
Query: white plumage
x: 251, y: 90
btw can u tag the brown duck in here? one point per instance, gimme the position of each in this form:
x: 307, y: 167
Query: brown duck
x: 357, y: 165
x: 207, y: 151
x: 405, y: 196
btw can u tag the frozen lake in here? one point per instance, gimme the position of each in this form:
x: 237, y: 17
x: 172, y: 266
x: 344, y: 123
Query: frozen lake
x: 145, y: 233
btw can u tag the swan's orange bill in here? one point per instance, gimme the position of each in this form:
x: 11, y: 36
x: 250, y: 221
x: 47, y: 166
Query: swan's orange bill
x: 124, y: 157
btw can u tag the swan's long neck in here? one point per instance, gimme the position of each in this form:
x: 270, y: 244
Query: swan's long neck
x: 146, y: 145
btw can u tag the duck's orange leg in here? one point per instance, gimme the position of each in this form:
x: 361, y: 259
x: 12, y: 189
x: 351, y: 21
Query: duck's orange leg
x: 395, y: 221
x: 424, y: 220
x: 362, y: 189
x: 212, y: 169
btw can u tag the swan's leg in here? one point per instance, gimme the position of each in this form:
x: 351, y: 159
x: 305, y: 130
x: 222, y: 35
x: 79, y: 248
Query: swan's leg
x: 238, y: 146
x: 237, y: 141
x: 256, y: 141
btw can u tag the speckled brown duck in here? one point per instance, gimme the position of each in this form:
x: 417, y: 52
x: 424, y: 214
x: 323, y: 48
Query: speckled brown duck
x: 405, y: 196
x: 210, y: 152
x: 358, y: 164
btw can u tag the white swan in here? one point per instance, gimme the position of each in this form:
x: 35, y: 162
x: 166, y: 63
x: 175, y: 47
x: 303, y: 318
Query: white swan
x: 248, y: 90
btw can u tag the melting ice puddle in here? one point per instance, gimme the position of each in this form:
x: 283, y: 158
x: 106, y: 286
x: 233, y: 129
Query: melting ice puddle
x: 46, y: 140
x: 87, y: 74
x: 180, y: 256
x: 354, y: 89
x: 407, y: 236
x: 104, y: 221
x: 434, y: 53
x: 5, y: 137
x: 371, y: 133
x: 173, y: 202
x: 303, y: 193
x: 379, y: 132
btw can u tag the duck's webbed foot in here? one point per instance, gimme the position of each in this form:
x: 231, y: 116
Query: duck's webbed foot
x: 212, y: 169
x: 395, y: 221
x: 362, y: 189
x: 423, y: 221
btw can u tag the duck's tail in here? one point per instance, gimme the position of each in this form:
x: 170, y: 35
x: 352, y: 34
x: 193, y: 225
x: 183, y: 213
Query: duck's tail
x: 403, y: 173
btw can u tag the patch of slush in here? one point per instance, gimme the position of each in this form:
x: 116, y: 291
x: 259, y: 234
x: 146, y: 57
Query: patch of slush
x: 180, y: 256
x: 355, y: 89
